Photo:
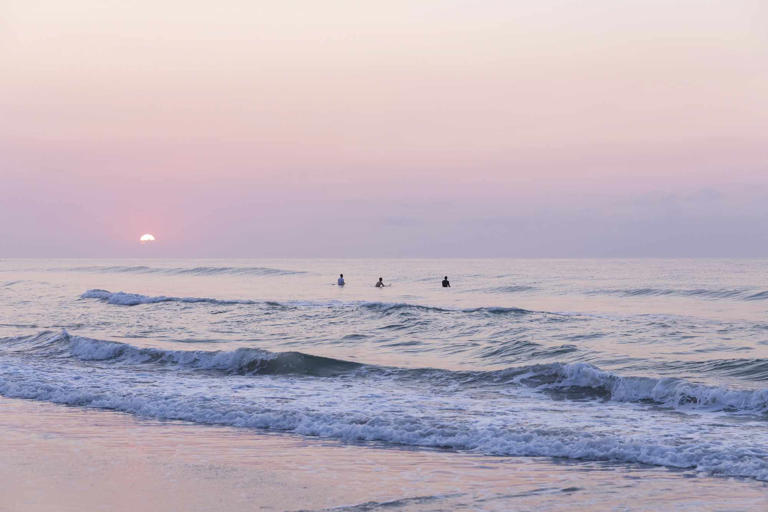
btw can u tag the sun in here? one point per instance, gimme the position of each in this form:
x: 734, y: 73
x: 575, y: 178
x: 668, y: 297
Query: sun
x: 146, y: 237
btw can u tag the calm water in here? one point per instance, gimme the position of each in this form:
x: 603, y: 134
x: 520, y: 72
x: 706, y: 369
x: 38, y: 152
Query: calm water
x: 658, y: 362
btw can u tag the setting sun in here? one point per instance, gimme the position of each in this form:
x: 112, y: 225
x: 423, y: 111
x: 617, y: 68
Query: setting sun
x: 146, y: 238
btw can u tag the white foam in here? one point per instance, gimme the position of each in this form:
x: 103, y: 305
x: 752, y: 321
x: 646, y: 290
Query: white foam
x: 587, y: 379
x: 674, y: 393
x: 134, y: 299
x: 423, y: 408
x: 347, y: 410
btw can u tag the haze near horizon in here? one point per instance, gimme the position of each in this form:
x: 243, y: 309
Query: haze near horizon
x: 351, y: 129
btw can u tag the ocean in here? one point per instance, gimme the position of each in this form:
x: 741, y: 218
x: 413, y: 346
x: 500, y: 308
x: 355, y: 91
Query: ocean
x: 656, y: 364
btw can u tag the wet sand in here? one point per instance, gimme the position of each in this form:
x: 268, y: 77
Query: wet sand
x: 58, y: 458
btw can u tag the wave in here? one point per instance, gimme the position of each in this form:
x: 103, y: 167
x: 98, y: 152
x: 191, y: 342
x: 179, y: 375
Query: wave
x: 199, y: 271
x: 135, y: 299
x: 496, y: 310
x: 582, y: 381
x: 487, y: 439
x: 242, y: 361
x: 585, y: 380
x: 375, y: 411
x: 577, y: 380
x: 718, y: 293
x: 386, y: 307
x: 403, y: 306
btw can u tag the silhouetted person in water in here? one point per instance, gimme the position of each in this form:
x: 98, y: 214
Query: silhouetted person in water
x: 380, y: 283
x: 446, y: 283
x: 340, y: 282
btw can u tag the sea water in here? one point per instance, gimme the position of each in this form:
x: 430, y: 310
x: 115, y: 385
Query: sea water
x: 654, y: 362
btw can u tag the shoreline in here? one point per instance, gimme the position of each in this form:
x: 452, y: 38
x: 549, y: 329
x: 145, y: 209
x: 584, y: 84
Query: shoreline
x: 63, y: 458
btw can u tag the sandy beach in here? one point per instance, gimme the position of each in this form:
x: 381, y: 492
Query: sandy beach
x: 58, y: 458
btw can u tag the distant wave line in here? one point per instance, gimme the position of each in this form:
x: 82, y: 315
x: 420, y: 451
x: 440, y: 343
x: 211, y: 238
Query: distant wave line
x: 135, y: 299
x: 201, y: 271
x: 721, y: 293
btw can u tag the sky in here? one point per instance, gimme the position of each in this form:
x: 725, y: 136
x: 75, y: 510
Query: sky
x: 547, y: 128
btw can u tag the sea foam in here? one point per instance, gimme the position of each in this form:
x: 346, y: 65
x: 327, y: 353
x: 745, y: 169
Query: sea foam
x: 392, y: 406
x: 134, y: 299
x: 581, y: 380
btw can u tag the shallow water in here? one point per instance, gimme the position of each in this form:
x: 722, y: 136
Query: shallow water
x: 656, y: 362
x: 125, y: 463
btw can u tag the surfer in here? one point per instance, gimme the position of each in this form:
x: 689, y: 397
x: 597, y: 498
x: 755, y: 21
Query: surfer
x: 380, y: 283
x: 340, y: 282
x: 446, y: 283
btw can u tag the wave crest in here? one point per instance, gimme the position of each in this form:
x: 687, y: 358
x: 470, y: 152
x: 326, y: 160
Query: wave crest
x: 134, y: 299
x: 242, y: 361
x: 586, y: 380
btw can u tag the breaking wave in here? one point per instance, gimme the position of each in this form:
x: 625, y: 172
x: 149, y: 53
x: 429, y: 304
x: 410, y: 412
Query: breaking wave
x: 242, y: 361
x: 415, y: 431
x: 347, y: 401
x: 585, y: 380
x: 135, y: 299
x: 580, y: 380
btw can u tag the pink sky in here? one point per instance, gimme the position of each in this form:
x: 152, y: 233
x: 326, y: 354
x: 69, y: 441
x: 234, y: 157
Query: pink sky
x: 348, y: 128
